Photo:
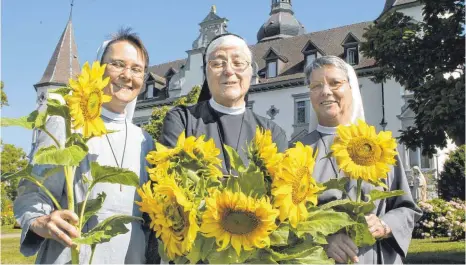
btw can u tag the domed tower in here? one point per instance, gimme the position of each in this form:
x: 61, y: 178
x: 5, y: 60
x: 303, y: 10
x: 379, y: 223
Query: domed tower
x: 281, y: 23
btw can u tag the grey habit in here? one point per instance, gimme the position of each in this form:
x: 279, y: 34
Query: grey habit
x: 399, y: 213
x: 32, y: 202
x: 236, y: 131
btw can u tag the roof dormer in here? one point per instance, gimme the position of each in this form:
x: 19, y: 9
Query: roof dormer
x: 274, y: 63
x: 311, y: 52
x: 351, y: 49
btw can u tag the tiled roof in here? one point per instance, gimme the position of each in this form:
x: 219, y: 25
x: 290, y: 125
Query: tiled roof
x: 162, y: 69
x: 64, y: 63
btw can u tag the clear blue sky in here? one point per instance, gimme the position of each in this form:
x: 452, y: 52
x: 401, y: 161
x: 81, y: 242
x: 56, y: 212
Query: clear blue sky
x: 32, y: 28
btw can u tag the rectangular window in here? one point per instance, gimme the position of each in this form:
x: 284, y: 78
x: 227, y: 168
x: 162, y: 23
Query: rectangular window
x: 302, y: 111
x: 271, y: 69
x: 150, y: 91
x: 310, y: 58
x: 352, y: 55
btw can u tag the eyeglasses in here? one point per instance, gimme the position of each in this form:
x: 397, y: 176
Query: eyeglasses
x: 119, y: 67
x: 238, y: 65
x: 333, y: 85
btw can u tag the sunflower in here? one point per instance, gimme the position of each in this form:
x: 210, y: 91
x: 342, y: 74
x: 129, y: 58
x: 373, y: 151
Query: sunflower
x: 162, y: 154
x: 160, y: 172
x: 86, y: 100
x: 363, y: 154
x: 234, y: 217
x: 198, y: 149
x: 264, y: 153
x: 295, y: 187
x: 173, y: 216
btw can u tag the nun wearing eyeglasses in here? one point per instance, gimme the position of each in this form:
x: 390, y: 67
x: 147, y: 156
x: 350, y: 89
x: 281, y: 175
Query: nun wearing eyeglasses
x: 221, y: 112
x: 336, y: 100
x: 47, y: 231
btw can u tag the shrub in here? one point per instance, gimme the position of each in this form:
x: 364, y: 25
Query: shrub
x: 451, y: 183
x: 441, y: 219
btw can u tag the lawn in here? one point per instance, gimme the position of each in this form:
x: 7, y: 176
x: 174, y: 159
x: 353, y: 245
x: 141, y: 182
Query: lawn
x: 10, y: 252
x: 436, y: 251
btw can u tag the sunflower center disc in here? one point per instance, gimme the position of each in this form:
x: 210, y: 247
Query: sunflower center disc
x: 239, y: 222
x: 364, y: 151
x: 176, y: 216
x: 92, y: 106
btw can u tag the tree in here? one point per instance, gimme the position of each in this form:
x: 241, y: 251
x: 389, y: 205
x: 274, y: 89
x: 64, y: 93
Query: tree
x: 12, y: 159
x: 422, y: 56
x: 451, y: 183
x: 154, y: 127
x: 3, y: 98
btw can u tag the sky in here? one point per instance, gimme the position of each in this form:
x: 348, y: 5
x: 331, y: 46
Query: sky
x: 30, y: 30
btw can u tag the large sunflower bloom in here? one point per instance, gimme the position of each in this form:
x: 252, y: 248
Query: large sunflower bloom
x: 295, y: 186
x: 363, y: 154
x: 199, y: 149
x: 264, y: 152
x: 86, y: 100
x: 234, y: 217
x: 173, y: 216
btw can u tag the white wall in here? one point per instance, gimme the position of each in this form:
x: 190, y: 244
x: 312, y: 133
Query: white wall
x: 193, y: 75
x: 415, y: 12
x: 283, y: 100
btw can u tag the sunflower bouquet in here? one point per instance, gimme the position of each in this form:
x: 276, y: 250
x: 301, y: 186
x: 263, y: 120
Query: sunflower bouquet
x: 80, y: 110
x: 364, y: 156
x: 265, y: 213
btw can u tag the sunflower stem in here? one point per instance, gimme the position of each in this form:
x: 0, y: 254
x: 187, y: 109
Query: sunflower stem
x: 69, y: 178
x: 44, y: 189
x: 358, y: 190
x: 51, y: 136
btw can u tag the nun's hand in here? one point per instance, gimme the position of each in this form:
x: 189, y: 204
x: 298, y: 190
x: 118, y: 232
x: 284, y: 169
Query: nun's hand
x: 58, y: 226
x: 377, y: 227
x: 341, y: 248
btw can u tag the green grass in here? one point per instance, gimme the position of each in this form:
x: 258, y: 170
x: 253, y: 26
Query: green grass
x: 10, y: 252
x: 8, y: 229
x: 436, y: 251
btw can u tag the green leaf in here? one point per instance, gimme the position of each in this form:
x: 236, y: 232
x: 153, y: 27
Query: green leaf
x: 261, y: 256
x: 336, y: 183
x: 377, y: 194
x: 279, y: 237
x: 40, y: 119
x: 24, y: 173
x: 235, y: 160
x: 233, y: 184
x: 63, y: 91
x: 328, y: 156
x: 228, y: 256
x: 351, y: 207
x: 50, y: 172
x: 106, y: 230
x: 77, y: 139
x: 180, y: 260
x: 360, y: 232
x: 162, y: 253
x: 69, y: 156
x: 26, y: 122
x: 107, y: 174
x: 201, y: 248
x: 334, y: 204
x: 92, y: 206
x: 301, y: 253
x: 322, y: 223
x: 252, y: 181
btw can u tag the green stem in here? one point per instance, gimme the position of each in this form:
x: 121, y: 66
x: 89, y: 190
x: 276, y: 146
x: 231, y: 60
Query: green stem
x: 81, y: 215
x: 358, y: 190
x: 92, y: 253
x: 54, y: 200
x: 69, y: 177
x: 51, y: 136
